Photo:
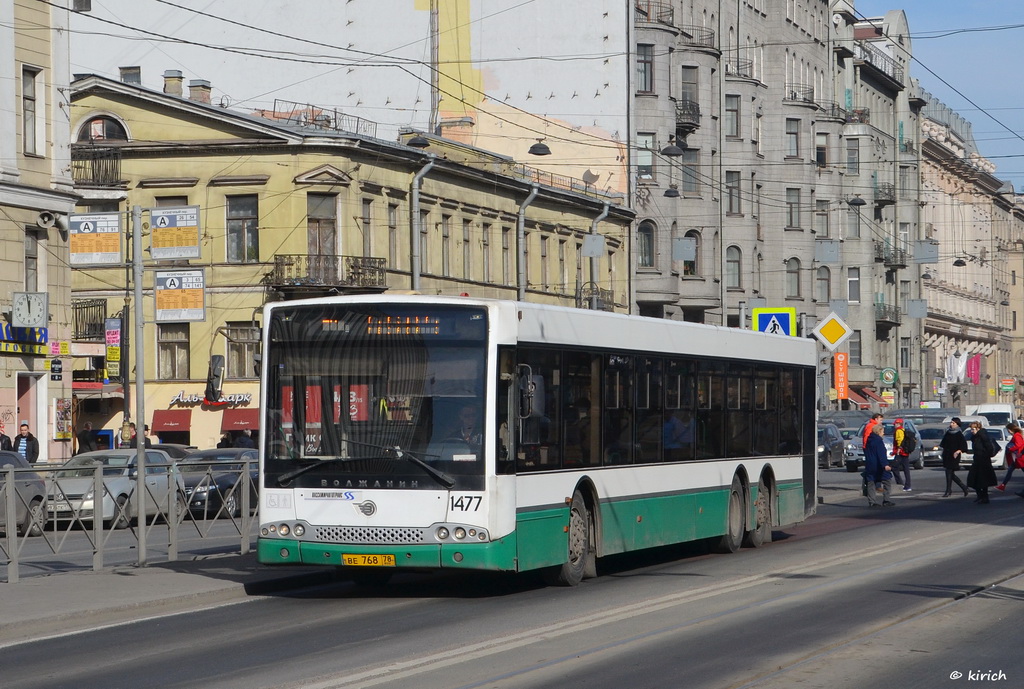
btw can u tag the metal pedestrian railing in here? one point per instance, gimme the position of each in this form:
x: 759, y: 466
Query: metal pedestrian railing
x: 51, y: 524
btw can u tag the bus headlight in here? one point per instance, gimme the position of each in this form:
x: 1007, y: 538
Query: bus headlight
x: 442, y: 533
x: 460, y: 533
x: 299, y: 529
x: 284, y: 530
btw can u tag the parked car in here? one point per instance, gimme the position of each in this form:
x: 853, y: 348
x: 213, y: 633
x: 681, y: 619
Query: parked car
x: 831, y: 446
x: 71, y: 496
x: 855, y: 450
x: 1000, y: 435
x: 931, y: 435
x: 29, y: 495
x: 176, y: 451
x: 214, y: 480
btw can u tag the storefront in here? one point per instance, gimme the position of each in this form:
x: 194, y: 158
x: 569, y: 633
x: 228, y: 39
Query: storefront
x: 181, y: 415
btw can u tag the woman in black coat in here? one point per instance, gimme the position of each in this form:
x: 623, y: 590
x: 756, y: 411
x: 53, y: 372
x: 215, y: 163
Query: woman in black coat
x: 953, y: 444
x: 981, y: 475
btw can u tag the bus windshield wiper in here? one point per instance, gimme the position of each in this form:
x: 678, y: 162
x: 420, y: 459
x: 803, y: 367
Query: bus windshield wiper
x: 439, y: 476
x: 436, y: 474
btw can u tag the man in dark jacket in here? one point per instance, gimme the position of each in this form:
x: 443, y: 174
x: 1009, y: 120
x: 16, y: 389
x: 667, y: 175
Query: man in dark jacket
x: 877, y: 471
x: 26, y: 445
x: 86, y: 441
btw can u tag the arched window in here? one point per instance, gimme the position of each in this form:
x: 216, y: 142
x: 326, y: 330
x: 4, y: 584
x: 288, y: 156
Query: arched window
x: 645, y: 245
x: 692, y: 267
x: 102, y: 129
x: 733, y: 266
x: 824, y: 285
x: 793, y: 277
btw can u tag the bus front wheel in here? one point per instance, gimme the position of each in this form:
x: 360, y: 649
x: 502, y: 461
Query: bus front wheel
x: 730, y: 541
x: 571, y: 572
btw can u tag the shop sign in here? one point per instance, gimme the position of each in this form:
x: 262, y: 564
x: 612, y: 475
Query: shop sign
x: 233, y: 399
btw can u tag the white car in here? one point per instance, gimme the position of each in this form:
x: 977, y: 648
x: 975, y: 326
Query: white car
x: 72, y: 490
x: 855, y: 452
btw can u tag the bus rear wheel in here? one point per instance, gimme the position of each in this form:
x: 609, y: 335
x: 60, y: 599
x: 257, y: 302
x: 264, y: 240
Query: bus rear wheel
x: 730, y: 541
x: 571, y: 572
x: 762, y: 531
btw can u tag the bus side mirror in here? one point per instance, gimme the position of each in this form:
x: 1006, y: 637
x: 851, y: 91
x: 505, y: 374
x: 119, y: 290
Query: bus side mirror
x: 214, y: 380
x: 526, y: 390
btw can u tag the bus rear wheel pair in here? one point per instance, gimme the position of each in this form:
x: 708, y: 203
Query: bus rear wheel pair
x: 736, y: 534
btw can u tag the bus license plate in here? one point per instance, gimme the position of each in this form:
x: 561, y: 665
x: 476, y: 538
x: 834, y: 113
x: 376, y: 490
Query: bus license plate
x: 368, y: 560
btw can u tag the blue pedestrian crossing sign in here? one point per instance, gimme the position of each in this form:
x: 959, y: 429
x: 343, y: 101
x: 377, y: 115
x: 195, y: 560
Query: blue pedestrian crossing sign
x: 775, y: 321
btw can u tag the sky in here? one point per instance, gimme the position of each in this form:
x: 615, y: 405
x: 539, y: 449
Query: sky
x: 977, y: 48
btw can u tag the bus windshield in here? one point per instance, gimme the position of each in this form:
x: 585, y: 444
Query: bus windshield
x: 367, y: 395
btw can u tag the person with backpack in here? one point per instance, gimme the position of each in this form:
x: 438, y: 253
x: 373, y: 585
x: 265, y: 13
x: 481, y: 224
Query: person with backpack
x: 903, y: 444
x: 981, y: 475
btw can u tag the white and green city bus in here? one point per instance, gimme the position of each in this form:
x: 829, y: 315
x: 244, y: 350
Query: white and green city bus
x: 594, y: 433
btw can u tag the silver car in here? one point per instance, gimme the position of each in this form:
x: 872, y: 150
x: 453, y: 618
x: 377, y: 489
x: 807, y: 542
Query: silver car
x: 855, y: 451
x: 72, y: 493
x: 29, y: 495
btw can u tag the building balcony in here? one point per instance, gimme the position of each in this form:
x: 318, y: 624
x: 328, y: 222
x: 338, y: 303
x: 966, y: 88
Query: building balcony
x: 95, y: 166
x: 887, y: 315
x: 833, y: 111
x: 88, y: 320
x: 696, y: 36
x: 652, y: 12
x: 885, y: 194
x: 890, y: 256
x: 687, y: 117
x: 908, y: 146
x: 310, y: 274
x: 799, y: 93
x: 739, y: 67
x: 590, y: 296
x: 859, y: 116
x: 879, y: 63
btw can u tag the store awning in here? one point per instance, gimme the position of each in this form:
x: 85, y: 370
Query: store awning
x: 857, y: 399
x: 238, y: 419
x: 171, y: 420
x: 869, y: 393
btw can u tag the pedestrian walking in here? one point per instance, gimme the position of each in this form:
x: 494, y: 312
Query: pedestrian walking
x: 877, y: 471
x: 903, y: 444
x: 875, y: 419
x: 86, y: 439
x: 981, y: 475
x: 26, y: 445
x: 953, y: 445
x: 1013, y: 454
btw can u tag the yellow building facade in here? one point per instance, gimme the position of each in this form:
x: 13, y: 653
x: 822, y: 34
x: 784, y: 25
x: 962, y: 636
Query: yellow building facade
x: 289, y: 205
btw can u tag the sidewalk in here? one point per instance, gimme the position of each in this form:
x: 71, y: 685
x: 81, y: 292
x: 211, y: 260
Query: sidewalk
x: 47, y: 605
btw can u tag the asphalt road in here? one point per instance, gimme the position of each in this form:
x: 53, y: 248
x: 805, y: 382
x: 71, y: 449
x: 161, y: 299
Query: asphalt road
x: 906, y: 596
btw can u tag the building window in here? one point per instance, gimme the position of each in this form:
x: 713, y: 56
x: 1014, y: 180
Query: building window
x: 446, y: 245
x: 467, y: 265
x: 645, y: 68
x: 792, y: 138
x: 732, y: 191
x: 366, y: 225
x: 692, y: 266
x: 904, y: 352
x: 821, y: 218
x: 424, y: 240
x: 172, y: 351
x: 645, y: 245
x: 853, y: 285
x: 243, y: 344
x: 853, y: 156
x: 853, y: 224
x: 32, y: 133
x: 544, y: 260
x: 793, y: 278
x: 563, y: 276
x: 756, y: 134
x: 824, y: 285
x: 32, y: 239
x: 102, y: 129
x: 645, y: 156
x: 733, y: 267
x: 854, y: 341
x: 243, y: 229
x: 732, y: 115
x: 905, y: 190
x: 689, y: 89
x: 393, y: 235
x: 485, y: 244
x: 321, y: 224
x: 506, y: 255
x: 689, y: 164
x: 792, y: 207
x: 821, y: 149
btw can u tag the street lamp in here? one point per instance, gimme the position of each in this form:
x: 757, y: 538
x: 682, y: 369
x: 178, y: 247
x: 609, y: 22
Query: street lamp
x: 540, y: 149
x: 673, y: 149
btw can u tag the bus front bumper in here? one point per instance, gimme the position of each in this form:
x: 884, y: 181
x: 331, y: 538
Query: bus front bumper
x: 499, y: 555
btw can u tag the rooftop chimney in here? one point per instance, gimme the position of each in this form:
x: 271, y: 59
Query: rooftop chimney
x: 131, y: 75
x: 199, y: 90
x: 173, y: 81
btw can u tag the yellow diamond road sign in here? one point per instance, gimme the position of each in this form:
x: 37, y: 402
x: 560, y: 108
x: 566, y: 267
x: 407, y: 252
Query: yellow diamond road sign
x: 832, y: 331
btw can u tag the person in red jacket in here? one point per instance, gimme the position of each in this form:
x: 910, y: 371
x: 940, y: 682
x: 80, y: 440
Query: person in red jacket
x: 1013, y: 453
x: 872, y: 422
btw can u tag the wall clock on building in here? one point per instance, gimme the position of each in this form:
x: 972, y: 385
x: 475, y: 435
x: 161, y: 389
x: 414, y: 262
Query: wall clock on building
x: 30, y: 310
